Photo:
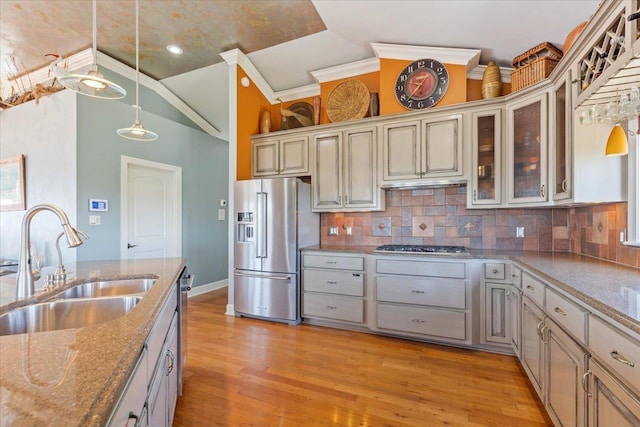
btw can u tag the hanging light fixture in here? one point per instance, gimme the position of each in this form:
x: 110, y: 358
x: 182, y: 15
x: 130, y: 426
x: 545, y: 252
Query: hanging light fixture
x: 137, y: 131
x: 92, y: 83
x: 617, y: 144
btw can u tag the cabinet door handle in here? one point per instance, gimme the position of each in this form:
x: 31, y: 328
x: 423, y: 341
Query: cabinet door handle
x: 564, y: 185
x: 584, y: 383
x: 542, y: 333
x: 621, y: 359
x: 560, y: 311
x: 542, y: 190
x: 172, y: 359
x: 538, y: 326
x: 417, y: 291
x: 475, y: 195
x: 134, y: 417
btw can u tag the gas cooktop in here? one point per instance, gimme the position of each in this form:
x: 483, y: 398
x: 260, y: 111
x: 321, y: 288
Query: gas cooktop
x: 424, y: 249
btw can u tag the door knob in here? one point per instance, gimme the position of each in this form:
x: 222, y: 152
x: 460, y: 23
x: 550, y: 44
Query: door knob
x: 129, y: 246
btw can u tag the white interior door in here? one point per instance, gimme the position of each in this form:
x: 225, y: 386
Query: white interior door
x: 151, y: 209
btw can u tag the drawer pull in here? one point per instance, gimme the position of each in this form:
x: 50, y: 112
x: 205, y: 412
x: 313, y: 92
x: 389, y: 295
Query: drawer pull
x: 331, y: 282
x: 514, y: 276
x: 332, y: 307
x: 418, y: 321
x: 621, y: 359
x: 560, y: 311
x: 531, y: 288
x: 584, y: 383
x: 417, y: 291
x: 331, y: 262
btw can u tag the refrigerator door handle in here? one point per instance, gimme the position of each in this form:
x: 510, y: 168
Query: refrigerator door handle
x: 263, y: 277
x: 261, y: 222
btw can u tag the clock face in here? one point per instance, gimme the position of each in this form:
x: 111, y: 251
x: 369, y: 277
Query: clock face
x: 422, y: 84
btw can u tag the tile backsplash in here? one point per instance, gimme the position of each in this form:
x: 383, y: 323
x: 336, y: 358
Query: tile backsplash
x: 438, y: 216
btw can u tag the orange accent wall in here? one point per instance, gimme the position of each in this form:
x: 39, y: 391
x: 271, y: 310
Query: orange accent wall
x: 474, y: 89
x: 251, y: 104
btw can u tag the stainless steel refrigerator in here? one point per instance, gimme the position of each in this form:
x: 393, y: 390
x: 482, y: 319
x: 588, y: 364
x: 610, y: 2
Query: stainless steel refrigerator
x: 273, y: 220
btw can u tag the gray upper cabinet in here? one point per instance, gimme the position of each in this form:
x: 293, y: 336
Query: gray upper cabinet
x: 281, y: 156
x: 420, y: 150
x: 344, y: 172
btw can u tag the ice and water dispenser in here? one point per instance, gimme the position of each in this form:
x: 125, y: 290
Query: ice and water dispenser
x: 244, y: 227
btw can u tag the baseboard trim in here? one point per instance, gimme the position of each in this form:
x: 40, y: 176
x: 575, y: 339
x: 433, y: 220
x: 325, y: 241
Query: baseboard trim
x: 203, y: 289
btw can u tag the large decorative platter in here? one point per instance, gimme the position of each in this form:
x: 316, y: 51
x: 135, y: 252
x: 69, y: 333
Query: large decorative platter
x: 348, y: 101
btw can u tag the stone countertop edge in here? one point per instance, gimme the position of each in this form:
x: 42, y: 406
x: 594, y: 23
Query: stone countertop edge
x: 98, y: 359
x: 573, y: 274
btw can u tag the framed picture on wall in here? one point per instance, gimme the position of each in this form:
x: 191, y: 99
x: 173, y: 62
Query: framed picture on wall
x: 12, y: 188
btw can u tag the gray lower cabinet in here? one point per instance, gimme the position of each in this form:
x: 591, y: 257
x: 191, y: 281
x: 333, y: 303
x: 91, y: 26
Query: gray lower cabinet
x: 514, y: 301
x: 566, y: 362
x: 150, y: 396
x: 423, y: 299
x: 333, y: 288
x: 497, y: 313
x: 533, y: 354
x: 610, y: 402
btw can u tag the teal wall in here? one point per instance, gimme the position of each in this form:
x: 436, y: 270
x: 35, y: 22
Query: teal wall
x: 204, y: 160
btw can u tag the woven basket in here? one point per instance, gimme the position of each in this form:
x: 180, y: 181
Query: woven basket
x: 348, y: 101
x: 532, y: 73
x: 534, y: 65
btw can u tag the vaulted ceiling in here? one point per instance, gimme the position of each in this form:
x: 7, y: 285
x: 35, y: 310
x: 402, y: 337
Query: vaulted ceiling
x: 285, y: 39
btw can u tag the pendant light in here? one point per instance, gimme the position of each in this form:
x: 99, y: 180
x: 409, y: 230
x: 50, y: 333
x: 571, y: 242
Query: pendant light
x: 92, y: 83
x: 137, y: 131
x: 617, y: 144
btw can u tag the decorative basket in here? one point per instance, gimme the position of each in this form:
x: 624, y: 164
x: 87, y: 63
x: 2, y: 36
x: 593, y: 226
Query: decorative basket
x: 348, y: 101
x: 534, y: 65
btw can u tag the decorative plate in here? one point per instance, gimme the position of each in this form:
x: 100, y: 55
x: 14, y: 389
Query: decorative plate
x: 348, y: 101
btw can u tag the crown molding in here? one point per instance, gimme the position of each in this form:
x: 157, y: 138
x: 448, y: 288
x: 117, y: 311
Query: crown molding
x: 467, y: 57
x: 237, y: 57
x: 344, y: 71
x: 128, y: 72
x: 478, y: 72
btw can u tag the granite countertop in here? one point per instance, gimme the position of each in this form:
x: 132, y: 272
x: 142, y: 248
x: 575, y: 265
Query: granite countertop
x: 610, y: 288
x: 74, y: 377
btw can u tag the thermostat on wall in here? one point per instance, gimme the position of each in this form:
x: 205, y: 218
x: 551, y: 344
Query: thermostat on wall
x: 97, y: 205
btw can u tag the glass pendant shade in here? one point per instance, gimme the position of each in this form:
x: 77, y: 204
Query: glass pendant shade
x: 617, y: 144
x: 92, y: 83
x: 136, y: 131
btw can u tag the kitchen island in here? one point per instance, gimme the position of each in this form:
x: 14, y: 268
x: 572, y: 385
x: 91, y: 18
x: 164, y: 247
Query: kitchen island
x: 74, y: 377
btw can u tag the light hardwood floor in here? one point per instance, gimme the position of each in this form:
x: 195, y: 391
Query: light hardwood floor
x: 245, y: 372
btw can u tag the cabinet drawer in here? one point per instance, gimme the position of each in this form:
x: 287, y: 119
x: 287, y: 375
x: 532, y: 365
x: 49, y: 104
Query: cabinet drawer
x: 533, y: 288
x: 435, y: 292
x: 454, y: 270
x: 333, y: 282
x: 159, y: 331
x: 616, y: 350
x: 133, y: 398
x: 567, y: 314
x: 422, y: 320
x: 333, y: 262
x: 516, y: 276
x: 334, y: 307
x: 495, y: 271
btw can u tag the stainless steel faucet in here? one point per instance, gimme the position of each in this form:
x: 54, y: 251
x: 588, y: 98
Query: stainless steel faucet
x: 60, y: 276
x: 25, y: 280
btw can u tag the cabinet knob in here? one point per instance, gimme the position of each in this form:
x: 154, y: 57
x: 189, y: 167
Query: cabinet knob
x: 494, y: 271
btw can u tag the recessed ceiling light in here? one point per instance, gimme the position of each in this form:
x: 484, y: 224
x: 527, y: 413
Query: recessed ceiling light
x: 176, y: 50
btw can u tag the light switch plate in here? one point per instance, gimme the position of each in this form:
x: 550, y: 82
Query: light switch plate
x: 333, y: 231
x: 520, y: 232
x: 94, y: 219
x: 221, y: 214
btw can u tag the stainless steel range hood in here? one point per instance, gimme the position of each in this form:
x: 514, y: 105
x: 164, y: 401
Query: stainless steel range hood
x: 416, y: 185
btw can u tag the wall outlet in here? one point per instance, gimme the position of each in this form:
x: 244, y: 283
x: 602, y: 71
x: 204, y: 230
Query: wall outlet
x: 520, y: 232
x: 348, y: 230
x: 223, y: 203
x: 333, y: 231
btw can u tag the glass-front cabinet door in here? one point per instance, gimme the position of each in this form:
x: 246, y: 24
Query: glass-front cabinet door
x: 560, y: 131
x: 527, y: 150
x: 486, y: 138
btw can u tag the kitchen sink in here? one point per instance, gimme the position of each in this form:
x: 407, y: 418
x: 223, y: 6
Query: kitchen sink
x: 65, y: 314
x: 107, y: 288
